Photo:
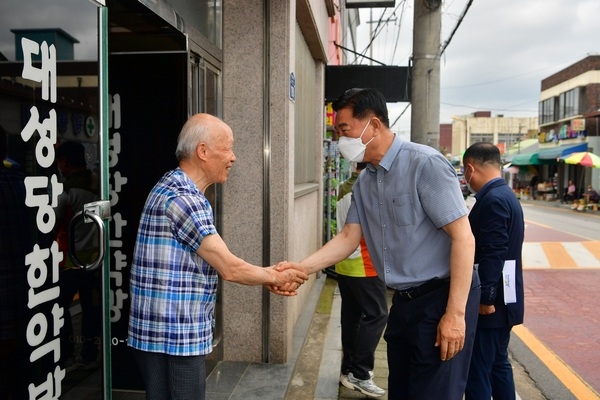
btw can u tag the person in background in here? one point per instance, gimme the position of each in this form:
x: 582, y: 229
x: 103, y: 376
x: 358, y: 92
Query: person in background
x: 592, y: 194
x: 177, y: 258
x: 533, y: 186
x: 364, y: 305
x: 498, y: 227
x: 79, y: 188
x: 408, y: 205
x: 570, y: 195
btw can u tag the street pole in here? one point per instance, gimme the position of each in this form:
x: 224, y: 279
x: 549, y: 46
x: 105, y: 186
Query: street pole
x: 425, y: 94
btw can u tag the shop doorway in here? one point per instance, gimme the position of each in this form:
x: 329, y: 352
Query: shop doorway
x: 157, y: 79
x: 147, y: 64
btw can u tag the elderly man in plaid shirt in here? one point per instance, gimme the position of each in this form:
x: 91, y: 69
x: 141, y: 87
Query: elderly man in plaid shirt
x: 177, y: 259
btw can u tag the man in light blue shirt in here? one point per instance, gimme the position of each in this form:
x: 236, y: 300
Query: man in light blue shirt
x: 408, y: 205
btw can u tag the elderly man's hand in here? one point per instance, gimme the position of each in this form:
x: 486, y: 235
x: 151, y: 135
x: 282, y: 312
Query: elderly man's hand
x: 290, y: 276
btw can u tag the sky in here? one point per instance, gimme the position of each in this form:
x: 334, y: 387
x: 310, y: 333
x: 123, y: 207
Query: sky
x: 498, y: 56
x: 495, y: 61
x: 80, y: 23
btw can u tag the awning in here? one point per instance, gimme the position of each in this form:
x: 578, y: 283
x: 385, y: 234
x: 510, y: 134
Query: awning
x: 561, y: 151
x: 526, y: 159
x: 529, y: 146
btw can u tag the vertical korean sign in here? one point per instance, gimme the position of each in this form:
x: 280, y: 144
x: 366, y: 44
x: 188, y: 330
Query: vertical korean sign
x: 42, y: 191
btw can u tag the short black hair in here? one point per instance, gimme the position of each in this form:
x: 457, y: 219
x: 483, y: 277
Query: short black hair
x: 483, y: 153
x: 362, y: 102
x: 73, y: 153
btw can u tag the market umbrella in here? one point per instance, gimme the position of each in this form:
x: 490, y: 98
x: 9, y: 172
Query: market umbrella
x: 584, y: 158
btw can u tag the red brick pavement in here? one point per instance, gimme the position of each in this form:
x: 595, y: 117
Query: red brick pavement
x: 561, y: 309
x: 540, y: 233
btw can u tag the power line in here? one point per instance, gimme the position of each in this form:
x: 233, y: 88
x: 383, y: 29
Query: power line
x: 355, y: 53
x: 379, y: 28
x: 447, y: 42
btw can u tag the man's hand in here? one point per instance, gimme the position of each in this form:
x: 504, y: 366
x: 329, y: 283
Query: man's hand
x: 289, y: 277
x: 450, y: 335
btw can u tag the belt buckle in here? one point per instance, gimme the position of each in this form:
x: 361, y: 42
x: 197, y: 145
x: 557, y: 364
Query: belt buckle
x: 409, y: 294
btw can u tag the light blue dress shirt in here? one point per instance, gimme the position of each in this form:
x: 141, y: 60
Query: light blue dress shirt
x: 401, y: 207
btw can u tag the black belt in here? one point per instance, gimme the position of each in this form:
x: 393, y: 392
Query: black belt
x: 418, y: 291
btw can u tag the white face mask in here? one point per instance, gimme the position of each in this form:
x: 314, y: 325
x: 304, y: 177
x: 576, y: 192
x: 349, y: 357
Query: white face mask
x: 353, y: 149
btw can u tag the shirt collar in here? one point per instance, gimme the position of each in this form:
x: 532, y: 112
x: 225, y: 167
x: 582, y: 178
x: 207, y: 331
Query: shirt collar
x: 391, y: 153
x: 487, y: 186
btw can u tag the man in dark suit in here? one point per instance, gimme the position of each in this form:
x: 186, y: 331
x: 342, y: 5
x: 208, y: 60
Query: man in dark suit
x: 497, y: 224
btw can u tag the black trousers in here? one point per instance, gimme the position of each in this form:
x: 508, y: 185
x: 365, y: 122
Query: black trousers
x: 172, y: 377
x: 416, y: 371
x: 491, y: 374
x: 363, y: 318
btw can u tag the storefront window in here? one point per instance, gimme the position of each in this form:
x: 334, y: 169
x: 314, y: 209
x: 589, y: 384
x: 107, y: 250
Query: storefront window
x: 204, y: 15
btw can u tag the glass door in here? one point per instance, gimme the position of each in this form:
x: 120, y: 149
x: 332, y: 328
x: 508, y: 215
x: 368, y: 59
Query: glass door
x: 53, y: 209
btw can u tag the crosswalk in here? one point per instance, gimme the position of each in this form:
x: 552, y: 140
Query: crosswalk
x: 561, y: 255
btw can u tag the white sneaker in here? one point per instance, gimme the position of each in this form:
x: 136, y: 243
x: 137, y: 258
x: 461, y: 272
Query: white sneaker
x: 366, y: 387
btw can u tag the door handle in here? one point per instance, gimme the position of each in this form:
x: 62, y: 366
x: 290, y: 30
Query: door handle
x: 94, y: 212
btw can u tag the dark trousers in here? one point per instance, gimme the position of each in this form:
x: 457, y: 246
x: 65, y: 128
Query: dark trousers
x: 491, y: 374
x: 89, y: 286
x: 416, y: 371
x: 170, y: 377
x: 363, y: 318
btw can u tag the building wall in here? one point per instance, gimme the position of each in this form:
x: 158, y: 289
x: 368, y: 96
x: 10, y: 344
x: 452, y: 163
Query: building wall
x: 584, y: 73
x: 295, y: 213
x: 465, y: 127
x: 446, y: 138
x: 579, y: 68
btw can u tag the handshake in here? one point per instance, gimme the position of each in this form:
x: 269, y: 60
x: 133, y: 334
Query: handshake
x: 289, y: 276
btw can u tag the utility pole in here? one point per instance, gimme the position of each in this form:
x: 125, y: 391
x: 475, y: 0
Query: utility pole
x: 425, y: 89
x: 371, y: 22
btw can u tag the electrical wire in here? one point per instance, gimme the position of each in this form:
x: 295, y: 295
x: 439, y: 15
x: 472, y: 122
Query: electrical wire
x: 460, y: 19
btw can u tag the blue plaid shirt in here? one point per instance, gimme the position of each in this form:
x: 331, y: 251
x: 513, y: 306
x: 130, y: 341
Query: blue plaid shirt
x: 172, y: 289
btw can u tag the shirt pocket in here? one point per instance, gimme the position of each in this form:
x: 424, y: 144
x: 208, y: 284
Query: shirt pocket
x: 403, y: 210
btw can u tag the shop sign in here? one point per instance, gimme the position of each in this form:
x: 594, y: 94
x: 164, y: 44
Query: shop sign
x: 578, y: 124
x: 42, y: 263
x: 329, y: 114
x: 120, y: 261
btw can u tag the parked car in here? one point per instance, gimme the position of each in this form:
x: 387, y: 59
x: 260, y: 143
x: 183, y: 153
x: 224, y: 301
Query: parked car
x: 463, y: 185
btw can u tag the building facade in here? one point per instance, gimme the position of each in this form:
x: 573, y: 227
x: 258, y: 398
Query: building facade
x: 569, y: 113
x: 480, y: 126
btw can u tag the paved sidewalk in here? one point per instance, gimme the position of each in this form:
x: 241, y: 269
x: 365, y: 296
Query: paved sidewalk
x: 328, y: 387
x: 313, y: 370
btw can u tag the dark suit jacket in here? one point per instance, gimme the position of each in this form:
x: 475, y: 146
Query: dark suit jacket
x: 497, y: 224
